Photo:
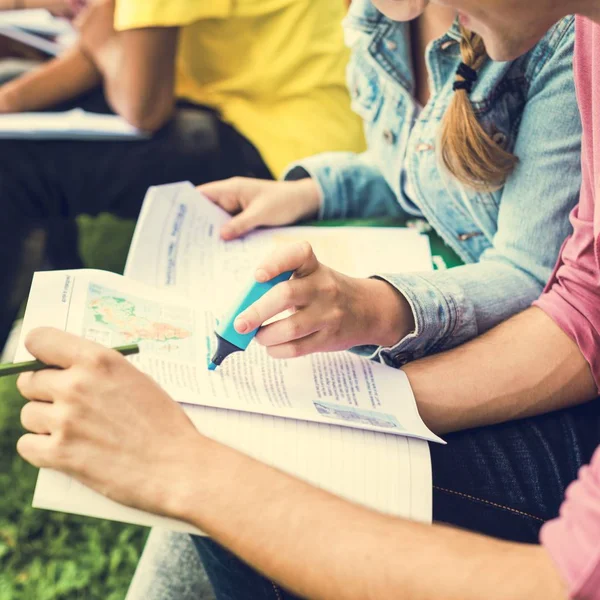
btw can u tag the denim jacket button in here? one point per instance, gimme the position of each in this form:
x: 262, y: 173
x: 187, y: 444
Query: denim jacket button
x: 390, y: 44
x: 463, y: 237
x: 423, y: 147
x: 447, y: 44
x: 389, y: 136
x: 499, y: 138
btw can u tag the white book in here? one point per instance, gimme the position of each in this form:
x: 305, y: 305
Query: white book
x: 36, y: 20
x: 38, y: 29
x: 338, y: 421
x: 75, y: 124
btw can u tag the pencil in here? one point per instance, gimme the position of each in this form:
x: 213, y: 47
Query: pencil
x: 38, y: 365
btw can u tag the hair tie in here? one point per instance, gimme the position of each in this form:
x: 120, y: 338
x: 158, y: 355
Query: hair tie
x: 469, y: 76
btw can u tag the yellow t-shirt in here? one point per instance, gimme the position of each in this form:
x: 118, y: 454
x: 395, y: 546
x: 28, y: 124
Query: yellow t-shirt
x: 274, y: 69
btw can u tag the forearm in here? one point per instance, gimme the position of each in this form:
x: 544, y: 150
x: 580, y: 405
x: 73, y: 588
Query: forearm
x: 352, y: 186
x: 524, y: 367
x: 322, y: 547
x: 57, y: 81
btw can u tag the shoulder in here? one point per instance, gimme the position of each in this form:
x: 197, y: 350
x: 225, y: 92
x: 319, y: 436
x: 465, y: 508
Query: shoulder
x: 556, y: 46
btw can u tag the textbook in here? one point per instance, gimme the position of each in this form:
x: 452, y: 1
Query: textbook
x: 337, y: 420
x: 75, y: 124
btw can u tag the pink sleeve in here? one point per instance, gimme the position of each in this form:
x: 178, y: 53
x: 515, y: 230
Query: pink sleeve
x: 571, y: 298
x: 573, y: 540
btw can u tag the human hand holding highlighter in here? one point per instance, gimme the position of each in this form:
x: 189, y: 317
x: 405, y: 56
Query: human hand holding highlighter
x: 331, y: 311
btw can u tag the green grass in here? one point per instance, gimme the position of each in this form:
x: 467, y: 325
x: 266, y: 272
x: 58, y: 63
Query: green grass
x: 47, y: 555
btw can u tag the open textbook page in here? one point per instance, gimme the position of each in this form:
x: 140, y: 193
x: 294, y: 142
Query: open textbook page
x: 177, y: 244
x: 390, y: 473
x: 75, y: 124
x: 176, y: 338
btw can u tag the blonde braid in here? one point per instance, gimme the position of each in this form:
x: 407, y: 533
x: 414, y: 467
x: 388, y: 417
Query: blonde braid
x: 467, y: 151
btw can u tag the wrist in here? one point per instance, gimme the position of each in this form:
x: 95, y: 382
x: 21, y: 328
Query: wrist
x: 391, y: 317
x: 310, y: 192
x: 198, y: 483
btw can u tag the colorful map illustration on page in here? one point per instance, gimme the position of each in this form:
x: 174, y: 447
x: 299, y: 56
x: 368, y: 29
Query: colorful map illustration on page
x: 113, y: 319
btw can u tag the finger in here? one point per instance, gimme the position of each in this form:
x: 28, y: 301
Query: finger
x: 39, y: 417
x: 287, y: 294
x: 41, y: 386
x: 306, y: 345
x: 250, y: 218
x: 61, y: 349
x: 224, y: 193
x: 297, y: 326
x: 298, y: 257
x: 36, y: 449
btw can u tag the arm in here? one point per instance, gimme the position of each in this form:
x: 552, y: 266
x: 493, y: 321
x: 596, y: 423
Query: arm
x: 137, y: 65
x: 351, y: 185
x: 137, y: 446
x: 450, y: 307
x: 57, y: 81
x: 524, y: 367
x: 322, y: 547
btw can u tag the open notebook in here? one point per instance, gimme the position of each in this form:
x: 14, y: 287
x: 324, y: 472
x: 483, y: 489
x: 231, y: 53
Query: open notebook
x: 336, y: 420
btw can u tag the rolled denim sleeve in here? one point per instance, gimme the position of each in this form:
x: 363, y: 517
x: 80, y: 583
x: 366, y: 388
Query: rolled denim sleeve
x: 451, y: 307
x: 351, y: 185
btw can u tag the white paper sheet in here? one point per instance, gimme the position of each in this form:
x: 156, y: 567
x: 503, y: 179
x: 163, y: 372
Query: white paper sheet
x: 75, y: 124
x: 36, y: 20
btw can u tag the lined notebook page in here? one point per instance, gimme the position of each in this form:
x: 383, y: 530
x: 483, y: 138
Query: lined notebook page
x: 369, y: 468
x: 388, y: 473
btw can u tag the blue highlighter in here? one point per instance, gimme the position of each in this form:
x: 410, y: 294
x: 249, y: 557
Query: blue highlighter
x: 228, y: 339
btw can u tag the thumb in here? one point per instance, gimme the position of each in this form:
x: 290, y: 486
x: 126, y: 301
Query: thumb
x: 250, y: 218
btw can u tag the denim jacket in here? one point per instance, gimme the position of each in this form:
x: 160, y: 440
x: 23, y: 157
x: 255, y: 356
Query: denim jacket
x: 510, y: 238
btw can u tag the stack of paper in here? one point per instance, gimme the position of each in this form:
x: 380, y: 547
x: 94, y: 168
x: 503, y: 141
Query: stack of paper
x: 39, y: 29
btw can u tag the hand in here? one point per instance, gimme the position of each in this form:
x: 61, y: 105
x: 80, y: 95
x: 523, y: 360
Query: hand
x: 257, y: 202
x: 330, y: 310
x: 104, y: 422
x: 95, y: 23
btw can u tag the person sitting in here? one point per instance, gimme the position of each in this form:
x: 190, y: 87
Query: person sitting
x: 229, y: 89
x: 489, y: 156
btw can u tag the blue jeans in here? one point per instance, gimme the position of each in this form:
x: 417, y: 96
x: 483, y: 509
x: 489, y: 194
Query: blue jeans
x: 504, y: 481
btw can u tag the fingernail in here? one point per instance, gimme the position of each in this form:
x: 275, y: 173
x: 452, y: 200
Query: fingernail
x: 241, y: 326
x: 261, y: 275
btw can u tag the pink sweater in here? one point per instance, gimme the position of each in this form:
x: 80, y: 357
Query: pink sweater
x: 572, y: 299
